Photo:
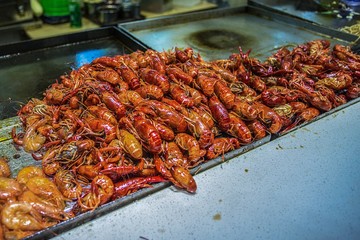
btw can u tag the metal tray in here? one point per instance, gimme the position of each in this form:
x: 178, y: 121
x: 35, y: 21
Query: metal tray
x: 309, y: 11
x: 28, y: 68
x: 218, y: 33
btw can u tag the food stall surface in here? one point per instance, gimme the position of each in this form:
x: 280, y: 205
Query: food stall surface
x: 218, y: 33
x: 303, y: 185
x: 334, y: 18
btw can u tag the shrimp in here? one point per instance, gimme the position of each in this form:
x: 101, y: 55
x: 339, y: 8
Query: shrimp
x: 47, y: 190
x: 22, y: 216
x: 43, y: 207
x: 9, y: 189
x: 28, y: 172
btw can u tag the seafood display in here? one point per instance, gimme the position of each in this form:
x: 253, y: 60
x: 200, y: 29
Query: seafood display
x: 126, y: 122
x: 29, y: 202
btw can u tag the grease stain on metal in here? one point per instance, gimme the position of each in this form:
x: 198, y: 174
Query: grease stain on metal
x: 219, y: 39
x: 217, y: 217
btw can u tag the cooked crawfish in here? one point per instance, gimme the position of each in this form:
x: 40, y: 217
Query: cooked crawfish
x: 103, y: 113
x: 200, y: 129
x: 244, y: 109
x: 129, y: 144
x: 143, y: 128
x: 129, y: 76
x: 239, y: 129
x: 206, y: 84
x: 353, y: 91
x: 156, y: 61
x: 224, y: 93
x: 180, y: 95
x: 100, y: 192
x: 113, y: 102
x: 191, y: 145
x: 178, y: 175
x: 67, y: 183
x: 131, y: 185
x: 184, y: 178
x: 152, y: 76
x: 183, y: 55
x: 174, y: 156
x: 116, y: 172
x: 166, y: 133
x: 258, y: 130
x: 269, y: 117
x: 220, y: 113
x: 337, y: 81
x: 98, y: 125
x: 44, y: 207
x: 130, y: 98
x: 32, y: 140
x: 150, y: 91
x: 197, y: 96
x: 278, y: 95
x: 305, y: 115
x: 108, y: 75
x: 167, y: 115
x: 177, y: 75
x: 205, y: 115
x: 221, y: 146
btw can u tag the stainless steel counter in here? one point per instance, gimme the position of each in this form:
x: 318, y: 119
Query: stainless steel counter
x: 304, y: 185
x: 305, y: 10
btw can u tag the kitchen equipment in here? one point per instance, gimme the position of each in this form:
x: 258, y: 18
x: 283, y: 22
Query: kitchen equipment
x: 157, y: 6
x: 108, y: 13
x: 217, y: 33
x: 90, y: 7
x: 75, y: 13
x: 55, y: 11
x: 15, y: 12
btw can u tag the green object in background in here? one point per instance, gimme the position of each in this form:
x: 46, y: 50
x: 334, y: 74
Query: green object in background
x: 75, y: 13
x: 55, y: 8
x: 328, y: 5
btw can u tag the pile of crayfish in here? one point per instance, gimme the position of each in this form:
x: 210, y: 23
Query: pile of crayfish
x: 122, y: 123
x: 29, y: 202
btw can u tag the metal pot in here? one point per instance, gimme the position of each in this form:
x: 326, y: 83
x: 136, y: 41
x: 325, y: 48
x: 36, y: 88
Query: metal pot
x: 108, y: 13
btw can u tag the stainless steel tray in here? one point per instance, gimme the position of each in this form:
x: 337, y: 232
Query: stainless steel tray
x: 28, y: 68
x: 309, y: 11
x: 218, y: 33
